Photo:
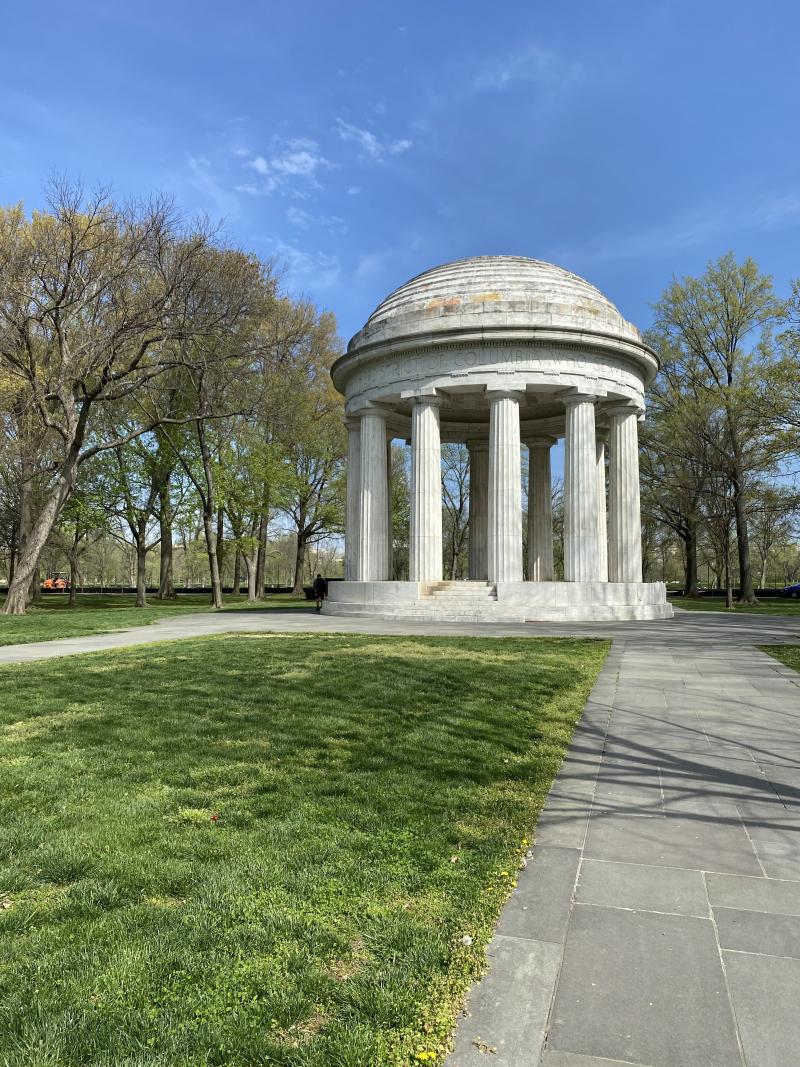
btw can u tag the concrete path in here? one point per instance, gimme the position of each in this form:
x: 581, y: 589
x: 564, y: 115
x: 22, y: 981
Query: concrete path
x: 688, y: 629
x: 658, y: 921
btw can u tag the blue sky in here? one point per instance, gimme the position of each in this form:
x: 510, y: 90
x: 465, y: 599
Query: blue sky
x: 361, y: 143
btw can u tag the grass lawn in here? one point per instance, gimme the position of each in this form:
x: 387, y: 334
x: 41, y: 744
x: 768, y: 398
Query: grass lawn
x: 773, y: 606
x: 266, y: 849
x: 100, y: 614
x: 788, y: 654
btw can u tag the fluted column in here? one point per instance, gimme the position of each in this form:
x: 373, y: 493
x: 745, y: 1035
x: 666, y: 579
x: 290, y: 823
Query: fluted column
x: 540, y: 510
x: 580, y: 490
x: 624, y: 512
x: 602, y: 521
x: 373, y: 541
x: 351, y: 533
x: 425, y: 548
x: 505, y: 489
x: 478, y: 509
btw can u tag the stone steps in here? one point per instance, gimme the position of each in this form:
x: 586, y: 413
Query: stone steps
x: 460, y: 594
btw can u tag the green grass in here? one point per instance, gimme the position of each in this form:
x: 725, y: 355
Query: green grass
x: 101, y: 614
x: 266, y: 849
x: 774, y: 606
x: 788, y: 654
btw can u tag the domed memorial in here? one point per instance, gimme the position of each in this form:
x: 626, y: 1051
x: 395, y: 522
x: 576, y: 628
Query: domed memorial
x: 498, y: 352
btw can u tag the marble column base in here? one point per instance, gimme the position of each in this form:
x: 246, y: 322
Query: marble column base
x: 503, y: 602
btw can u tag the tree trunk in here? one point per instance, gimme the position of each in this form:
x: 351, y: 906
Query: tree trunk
x: 728, y: 582
x: 26, y: 520
x: 747, y: 593
x: 237, y: 570
x: 213, y: 562
x: 299, y: 565
x: 763, y: 580
x: 261, y: 560
x: 453, y: 554
x: 250, y: 567
x: 220, y: 538
x: 141, y: 572
x: 692, y: 584
x: 719, y: 570
x: 40, y: 530
x: 166, y: 581
x: 12, y: 552
x: 73, y: 579
x: 208, y: 516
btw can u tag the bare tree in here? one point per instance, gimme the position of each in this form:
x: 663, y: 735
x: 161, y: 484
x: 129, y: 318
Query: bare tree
x: 455, y: 499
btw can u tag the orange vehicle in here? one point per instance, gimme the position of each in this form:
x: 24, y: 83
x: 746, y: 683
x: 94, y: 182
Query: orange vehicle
x: 56, y: 585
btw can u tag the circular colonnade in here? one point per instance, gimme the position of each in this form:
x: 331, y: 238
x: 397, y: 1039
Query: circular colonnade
x: 498, y: 352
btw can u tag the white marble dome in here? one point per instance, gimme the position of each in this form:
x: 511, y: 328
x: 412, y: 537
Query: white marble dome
x: 492, y: 293
x: 497, y: 353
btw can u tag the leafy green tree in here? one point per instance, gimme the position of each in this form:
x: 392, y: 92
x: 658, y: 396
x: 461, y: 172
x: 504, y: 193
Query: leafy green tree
x: 714, y: 334
x: 83, y: 521
x: 97, y: 300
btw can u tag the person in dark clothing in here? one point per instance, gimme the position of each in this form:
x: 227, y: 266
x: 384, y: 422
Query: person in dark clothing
x: 320, y: 590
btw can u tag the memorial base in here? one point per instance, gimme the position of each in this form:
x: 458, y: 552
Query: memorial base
x: 503, y: 602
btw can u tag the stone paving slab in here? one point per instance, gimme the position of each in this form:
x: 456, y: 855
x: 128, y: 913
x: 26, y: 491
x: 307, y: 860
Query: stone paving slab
x: 553, y: 1058
x: 753, y: 894
x: 691, y: 843
x: 643, y: 987
x: 539, y: 909
x: 764, y: 991
x: 640, y: 888
x: 759, y: 932
x: 494, y: 1030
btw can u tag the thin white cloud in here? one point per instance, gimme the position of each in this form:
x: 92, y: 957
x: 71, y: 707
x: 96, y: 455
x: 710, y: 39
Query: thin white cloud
x: 298, y: 158
x: 298, y: 217
x: 371, y: 146
x: 308, y: 270
x: 778, y: 210
x: 679, y: 234
x: 696, y: 228
x: 393, y: 259
x: 533, y: 64
x: 371, y: 264
x: 353, y: 190
x: 303, y: 220
x: 205, y: 181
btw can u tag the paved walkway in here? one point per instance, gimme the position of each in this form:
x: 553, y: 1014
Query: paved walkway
x: 687, y: 629
x: 658, y: 921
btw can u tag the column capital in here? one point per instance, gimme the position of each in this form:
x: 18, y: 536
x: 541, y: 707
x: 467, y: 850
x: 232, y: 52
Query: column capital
x: 540, y: 441
x: 577, y: 396
x: 422, y: 396
x: 371, y: 407
x: 505, y: 394
x: 352, y: 422
x: 624, y: 407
